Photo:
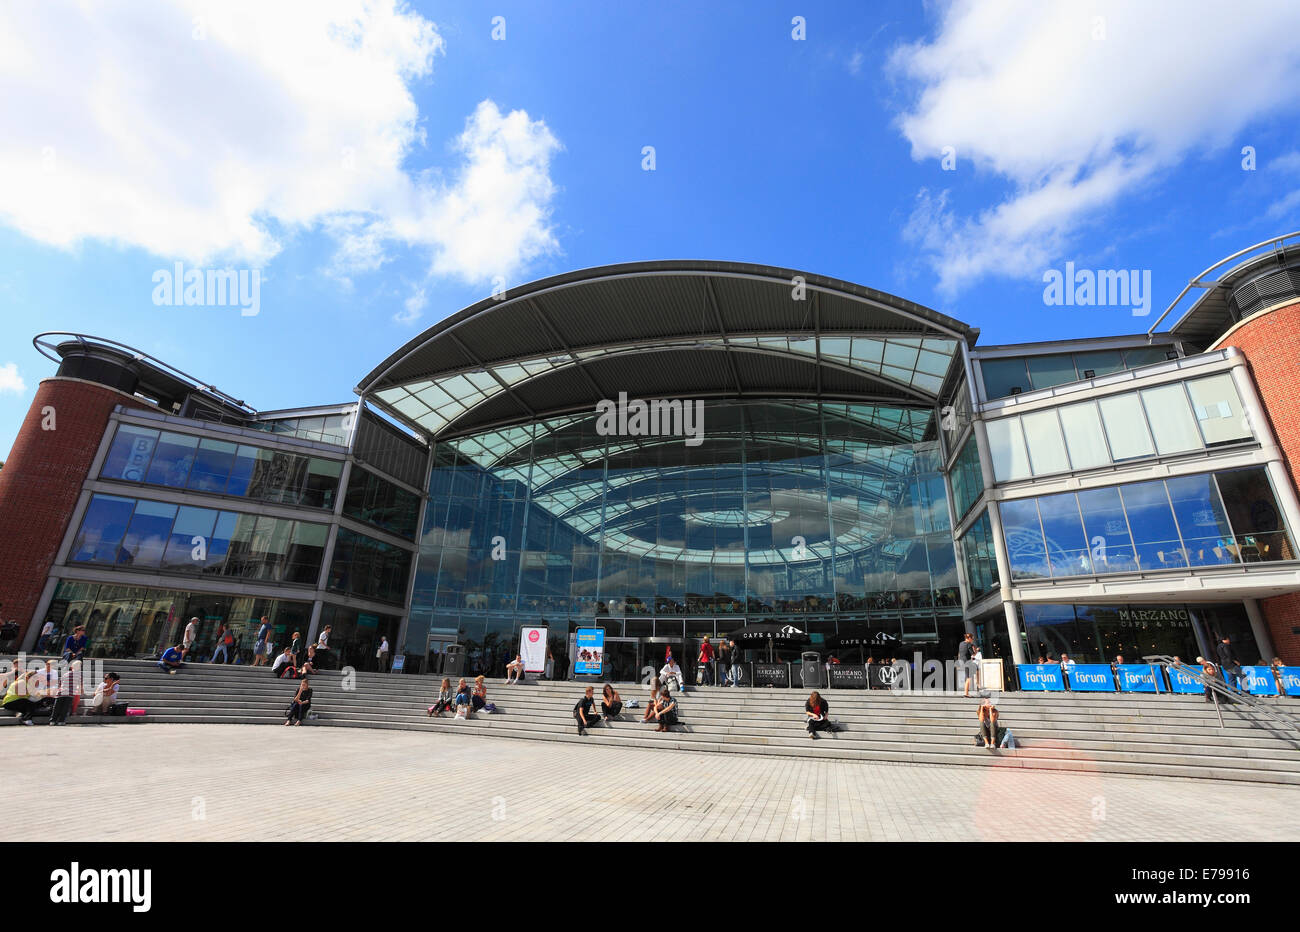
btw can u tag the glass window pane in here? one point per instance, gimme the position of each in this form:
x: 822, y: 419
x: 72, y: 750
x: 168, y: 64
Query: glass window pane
x: 182, y: 552
x: 1007, y: 446
x: 270, y: 546
x: 1145, y: 356
x: 1170, y: 416
x: 219, y: 542
x: 212, y: 465
x: 1217, y: 407
x: 1151, y: 520
x: 1046, y: 445
x: 129, y: 456
x: 241, y: 473
x: 1255, y: 515
x: 322, y: 482
x: 305, y: 552
x: 172, y: 460
x: 1024, y: 537
x: 1109, y: 543
x: 1046, y: 371
x: 1126, y: 426
x: 1083, y: 436
x: 1101, y: 362
x: 1002, y: 375
x: 1202, y: 520
x: 102, y: 528
x: 146, y: 537
x: 1067, y: 548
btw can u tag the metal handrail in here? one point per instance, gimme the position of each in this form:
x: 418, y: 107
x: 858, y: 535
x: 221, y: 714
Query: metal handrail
x: 1220, y: 687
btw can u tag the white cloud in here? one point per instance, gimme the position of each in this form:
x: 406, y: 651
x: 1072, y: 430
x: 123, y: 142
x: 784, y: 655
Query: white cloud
x: 1071, y: 122
x: 412, y: 307
x: 219, y: 130
x: 10, y: 380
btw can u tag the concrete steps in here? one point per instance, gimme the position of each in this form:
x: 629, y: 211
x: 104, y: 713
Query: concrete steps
x: 1158, y: 735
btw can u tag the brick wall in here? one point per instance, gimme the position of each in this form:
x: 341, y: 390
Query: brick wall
x: 1271, y: 343
x: 40, y: 483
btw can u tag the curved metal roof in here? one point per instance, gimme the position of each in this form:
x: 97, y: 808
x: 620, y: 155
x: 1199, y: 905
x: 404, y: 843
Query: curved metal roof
x: 1269, y: 276
x: 688, y: 329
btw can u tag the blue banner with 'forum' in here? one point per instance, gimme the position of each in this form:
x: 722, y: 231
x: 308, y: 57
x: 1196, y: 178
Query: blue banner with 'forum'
x: 1091, y: 677
x: 1139, y: 678
x: 1045, y: 677
x: 1180, y: 682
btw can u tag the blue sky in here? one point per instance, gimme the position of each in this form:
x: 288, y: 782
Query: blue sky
x: 382, y: 164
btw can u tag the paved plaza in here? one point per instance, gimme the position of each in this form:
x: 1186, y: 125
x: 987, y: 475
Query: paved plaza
x: 259, y: 783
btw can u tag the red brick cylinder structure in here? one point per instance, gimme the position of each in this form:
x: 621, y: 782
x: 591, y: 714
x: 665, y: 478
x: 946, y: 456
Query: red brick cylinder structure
x: 1271, y: 342
x: 40, y: 483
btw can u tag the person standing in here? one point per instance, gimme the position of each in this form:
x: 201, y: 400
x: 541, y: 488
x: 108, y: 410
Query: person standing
x: 221, y: 648
x: 381, y: 655
x: 705, y: 661
x: 260, y: 645
x: 191, y: 635
x: 322, y: 646
x: 735, y: 664
x: 295, y: 648
x: 1229, y: 665
x: 964, y: 652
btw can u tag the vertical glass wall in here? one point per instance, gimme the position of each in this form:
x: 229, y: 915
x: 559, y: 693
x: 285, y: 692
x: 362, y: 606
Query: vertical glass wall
x: 1102, y: 633
x: 1212, y: 519
x: 133, y: 621
x: 785, y: 508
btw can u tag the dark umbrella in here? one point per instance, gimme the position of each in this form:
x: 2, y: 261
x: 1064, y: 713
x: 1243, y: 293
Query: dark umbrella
x: 772, y: 633
x: 860, y: 635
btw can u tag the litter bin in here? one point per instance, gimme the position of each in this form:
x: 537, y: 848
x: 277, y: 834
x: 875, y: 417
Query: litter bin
x: 811, y: 672
x: 453, y: 660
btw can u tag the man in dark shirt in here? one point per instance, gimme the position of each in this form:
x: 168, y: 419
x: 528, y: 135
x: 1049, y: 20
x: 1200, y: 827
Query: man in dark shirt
x: 1229, y: 666
x: 584, y: 712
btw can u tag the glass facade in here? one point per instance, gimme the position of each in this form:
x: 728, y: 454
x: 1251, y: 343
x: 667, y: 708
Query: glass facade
x: 220, y: 467
x: 1211, y: 519
x: 981, y: 563
x: 139, y: 534
x: 369, y: 568
x: 330, y: 428
x: 134, y: 621
x: 1100, y: 633
x: 375, y: 500
x: 785, y: 508
x: 1168, y: 419
x: 1029, y: 373
x: 967, y: 478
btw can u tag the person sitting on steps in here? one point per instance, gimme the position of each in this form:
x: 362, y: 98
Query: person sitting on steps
x: 665, y: 710
x: 584, y: 712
